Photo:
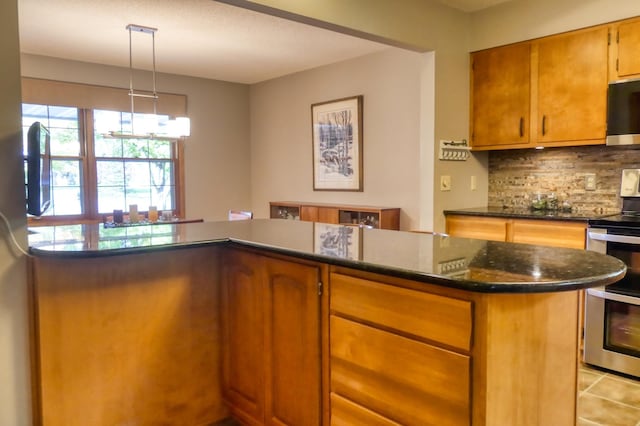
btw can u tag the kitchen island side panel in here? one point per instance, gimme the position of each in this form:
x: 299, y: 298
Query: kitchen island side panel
x: 129, y: 339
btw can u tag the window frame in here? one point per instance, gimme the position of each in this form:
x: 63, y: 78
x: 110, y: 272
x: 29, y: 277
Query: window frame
x: 88, y: 164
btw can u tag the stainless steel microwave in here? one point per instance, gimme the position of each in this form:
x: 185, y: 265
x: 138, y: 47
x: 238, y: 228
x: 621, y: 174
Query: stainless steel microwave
x: 623, y: 113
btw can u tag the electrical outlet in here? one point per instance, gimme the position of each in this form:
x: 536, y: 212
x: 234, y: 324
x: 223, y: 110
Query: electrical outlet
x: 590, y: 181
x: 474, y: 183
x: 445, y: 183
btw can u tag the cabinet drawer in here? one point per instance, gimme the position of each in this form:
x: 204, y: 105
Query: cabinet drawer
x: 437, y: 318
x: 482, y: 228
x: 407, y: 381
x: 549, y: 233
x: 348, y: 413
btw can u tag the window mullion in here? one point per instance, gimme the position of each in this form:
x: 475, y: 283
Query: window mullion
x: 90, y: 189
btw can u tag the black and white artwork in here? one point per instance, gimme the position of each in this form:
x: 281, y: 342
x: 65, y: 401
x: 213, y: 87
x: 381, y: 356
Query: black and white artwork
x: 337, y: 241
x: 337, y: 144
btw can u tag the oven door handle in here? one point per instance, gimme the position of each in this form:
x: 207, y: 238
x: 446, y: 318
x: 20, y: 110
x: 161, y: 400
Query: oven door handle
x: 613, y: 238
x: 601, y: 294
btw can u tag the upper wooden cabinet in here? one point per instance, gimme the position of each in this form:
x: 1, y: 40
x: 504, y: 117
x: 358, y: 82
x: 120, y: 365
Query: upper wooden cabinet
x: 572, y: 87
x: 501, y: 96
x: 625, y: 58
x: 545, y: 92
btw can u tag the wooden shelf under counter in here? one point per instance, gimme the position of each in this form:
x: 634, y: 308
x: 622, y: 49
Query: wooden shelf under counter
x: 344, y: 214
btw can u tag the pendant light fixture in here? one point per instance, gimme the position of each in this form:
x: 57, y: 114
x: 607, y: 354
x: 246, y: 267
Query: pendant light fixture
x: 147, y: 126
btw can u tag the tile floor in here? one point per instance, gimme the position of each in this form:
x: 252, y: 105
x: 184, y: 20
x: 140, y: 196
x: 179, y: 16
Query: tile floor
x: 607, y: 399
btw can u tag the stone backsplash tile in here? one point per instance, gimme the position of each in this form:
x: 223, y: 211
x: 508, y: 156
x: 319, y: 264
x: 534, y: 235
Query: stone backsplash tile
x: 515, y: 176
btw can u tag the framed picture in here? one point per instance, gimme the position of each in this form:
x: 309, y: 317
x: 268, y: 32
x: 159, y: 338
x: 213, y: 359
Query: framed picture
x: 337, y: 145
x: 337, y: 240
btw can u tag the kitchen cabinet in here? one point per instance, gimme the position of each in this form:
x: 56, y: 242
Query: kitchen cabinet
x: 500, y: 92
x: 403, y: 353
x: 545, y: 92
x: 373, y: 323
x: 549, y: 233
x: 271, y: 339
x: 625, y: 51
x: 555, y: 233
x: 481, y: 228
x: 572, y: 87
x: 345, y: 214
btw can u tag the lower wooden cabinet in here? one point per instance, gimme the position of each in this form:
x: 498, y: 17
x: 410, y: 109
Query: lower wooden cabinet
x: 481, y: 228
x: 393, y: 351
x: 271, y: 340
x: 555, y: 233
x: 343, y: 214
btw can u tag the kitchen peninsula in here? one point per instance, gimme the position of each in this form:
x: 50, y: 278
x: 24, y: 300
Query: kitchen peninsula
x: 303, y: 323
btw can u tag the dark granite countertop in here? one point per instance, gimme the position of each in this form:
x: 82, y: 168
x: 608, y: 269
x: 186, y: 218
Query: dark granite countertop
x: 474, y: 265
x: 524, y: 213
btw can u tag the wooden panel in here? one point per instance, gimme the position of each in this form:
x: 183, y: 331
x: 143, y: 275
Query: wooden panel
x: 292, y: 346
x: 390, y: 219
x: 525, y: 366
x: 436, y: 318
x: 129, y: 339
x: 549, y: 233
x: 243, y: 335
x: 399, y: 378
x: 348, y: 413
x: 309, y: 213
x: 483, y: 228
x: 328, y: 215
x: 572, y: 86
x: 501, y: 96
x: 628, y: 37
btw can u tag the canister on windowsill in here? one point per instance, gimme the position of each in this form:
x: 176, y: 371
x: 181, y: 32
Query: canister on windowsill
x: 153, y: 214
x: 133, y: 213
x: 117, y: 216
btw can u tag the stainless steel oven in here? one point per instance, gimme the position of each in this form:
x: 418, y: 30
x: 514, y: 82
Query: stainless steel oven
x: 612, y: 313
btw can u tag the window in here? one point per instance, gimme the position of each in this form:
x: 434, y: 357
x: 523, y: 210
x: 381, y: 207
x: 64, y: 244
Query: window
x: 67, y: 157
x: 93, y: 173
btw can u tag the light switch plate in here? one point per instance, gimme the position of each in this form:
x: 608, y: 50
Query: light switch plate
x: 445, y: 183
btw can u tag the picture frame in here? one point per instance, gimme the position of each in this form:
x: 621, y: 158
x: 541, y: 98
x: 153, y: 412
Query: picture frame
x: 337, y: 144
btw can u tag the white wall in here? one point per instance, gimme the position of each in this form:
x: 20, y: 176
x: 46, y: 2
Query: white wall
x: 15, y: 401
x: 521, y: 20
x: 217, y: 157
x: 281, y: 149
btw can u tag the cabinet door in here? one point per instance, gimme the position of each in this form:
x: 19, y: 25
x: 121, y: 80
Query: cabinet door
x: 572, y: 86
x: 309, y: 213
x: 327, y: 215
x: 292, y: 343
x: 501, y: 96
x: 243, y: 336
x: 628, y: 39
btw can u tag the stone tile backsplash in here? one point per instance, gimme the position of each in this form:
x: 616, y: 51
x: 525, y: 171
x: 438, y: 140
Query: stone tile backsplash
x: 515, y: 176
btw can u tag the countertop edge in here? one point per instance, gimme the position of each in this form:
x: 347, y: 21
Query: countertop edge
x: 524, y: 214
x: 467, y: 285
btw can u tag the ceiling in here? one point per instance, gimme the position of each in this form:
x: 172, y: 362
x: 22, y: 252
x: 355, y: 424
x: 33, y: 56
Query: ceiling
x: 200, y: 38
